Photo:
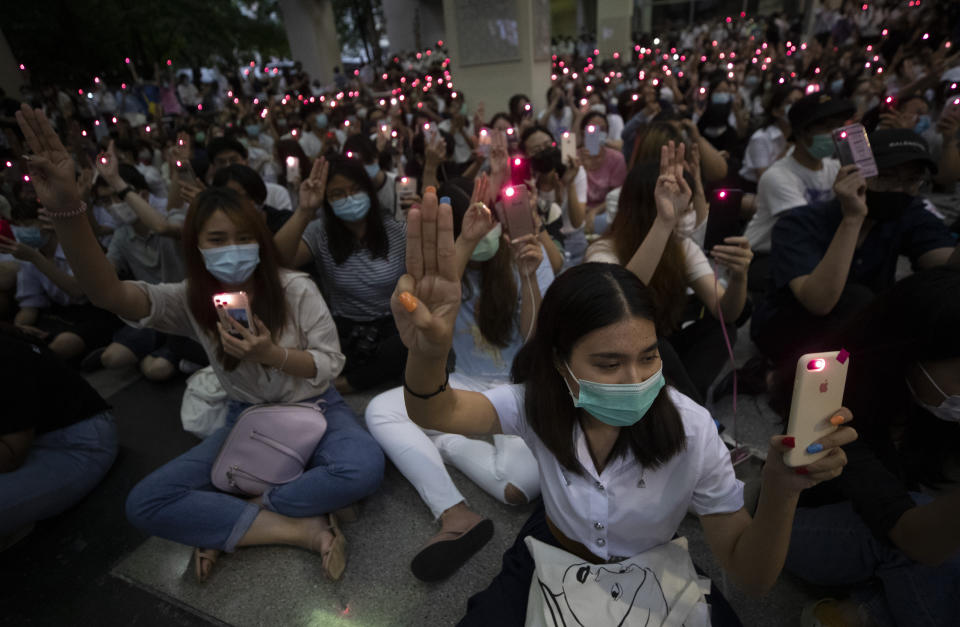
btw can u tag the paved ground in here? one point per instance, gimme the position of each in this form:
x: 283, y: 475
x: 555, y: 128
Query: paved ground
x: 88, y: 566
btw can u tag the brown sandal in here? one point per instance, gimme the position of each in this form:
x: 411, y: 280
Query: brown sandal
x: 204, y: 555
x: 334, y: 559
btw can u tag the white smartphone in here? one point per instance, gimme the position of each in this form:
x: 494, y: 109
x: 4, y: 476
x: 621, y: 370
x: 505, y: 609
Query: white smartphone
x: 236, y: 305
x: 429, y: 132
x: 568, y: 147
x: 817, y: 395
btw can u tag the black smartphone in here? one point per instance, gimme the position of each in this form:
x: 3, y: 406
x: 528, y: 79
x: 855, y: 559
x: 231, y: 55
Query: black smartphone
x: 723, y: 220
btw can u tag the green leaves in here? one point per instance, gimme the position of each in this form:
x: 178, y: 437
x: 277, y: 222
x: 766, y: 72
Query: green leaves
x: 70, y: 41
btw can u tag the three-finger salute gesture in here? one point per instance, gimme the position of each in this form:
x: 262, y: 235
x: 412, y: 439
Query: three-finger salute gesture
x: 426, y: 300
x: 51, y: 167
x: 672, y: 194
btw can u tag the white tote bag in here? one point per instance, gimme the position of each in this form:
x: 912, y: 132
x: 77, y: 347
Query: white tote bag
x: 204, y: 406
x: 657, y: 588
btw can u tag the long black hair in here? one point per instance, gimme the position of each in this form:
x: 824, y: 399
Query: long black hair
x: 340, y: 239
x: 581, y: 300
x: 916, y: 320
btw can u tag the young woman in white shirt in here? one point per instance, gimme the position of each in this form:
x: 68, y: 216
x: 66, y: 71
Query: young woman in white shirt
x: 289, y: 354
x: 769, y: 142
x: 644, y: 239
x: 621, y: 458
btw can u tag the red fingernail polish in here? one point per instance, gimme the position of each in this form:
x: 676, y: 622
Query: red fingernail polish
x: 802, y: 471
x: 789, y: 441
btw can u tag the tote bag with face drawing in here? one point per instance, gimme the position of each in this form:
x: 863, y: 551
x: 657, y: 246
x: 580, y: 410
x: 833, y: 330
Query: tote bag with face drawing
x: 657, y: 588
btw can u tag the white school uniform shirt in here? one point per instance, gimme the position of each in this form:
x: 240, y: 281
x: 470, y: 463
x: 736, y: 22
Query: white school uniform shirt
x: 765, y: 146
x: 278, y: 197
x: 628, y: 509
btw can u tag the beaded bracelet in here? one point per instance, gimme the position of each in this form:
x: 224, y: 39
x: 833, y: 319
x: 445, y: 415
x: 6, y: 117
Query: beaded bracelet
x: 82, y: 209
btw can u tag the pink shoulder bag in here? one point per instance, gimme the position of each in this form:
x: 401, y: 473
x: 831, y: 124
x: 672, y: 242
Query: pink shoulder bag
x: 269, y: 445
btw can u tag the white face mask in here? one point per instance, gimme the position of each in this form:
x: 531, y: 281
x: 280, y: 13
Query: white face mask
x: 598, y: 107
x: 948, y: 410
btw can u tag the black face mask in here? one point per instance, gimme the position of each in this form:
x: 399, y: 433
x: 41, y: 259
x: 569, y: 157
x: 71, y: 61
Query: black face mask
x: 887, y: 206
x: 548, y: 160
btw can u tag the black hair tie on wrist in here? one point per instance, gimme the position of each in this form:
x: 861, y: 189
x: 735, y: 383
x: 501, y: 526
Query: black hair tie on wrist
x: 443, y: 386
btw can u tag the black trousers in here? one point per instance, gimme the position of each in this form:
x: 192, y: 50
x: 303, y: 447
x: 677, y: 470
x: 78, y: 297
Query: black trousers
x: 504, y: 602
x: 375, y: 355
x: 793, y: 330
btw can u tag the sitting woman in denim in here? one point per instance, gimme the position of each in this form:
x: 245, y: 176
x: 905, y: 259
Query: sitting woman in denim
x: 290, y: 353
x: 887, y: 527
x: 54, y: 448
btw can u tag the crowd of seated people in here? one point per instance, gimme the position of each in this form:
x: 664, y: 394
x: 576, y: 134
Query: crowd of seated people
x: 368, y: 224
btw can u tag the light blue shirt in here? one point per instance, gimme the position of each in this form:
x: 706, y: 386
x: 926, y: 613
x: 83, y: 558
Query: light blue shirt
x: 476, y: 357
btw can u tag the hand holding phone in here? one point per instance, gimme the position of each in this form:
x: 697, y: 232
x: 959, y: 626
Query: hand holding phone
x: 817, y: 395
x: 723, y: 220
x: 233, y: 305
x: 853, y: 148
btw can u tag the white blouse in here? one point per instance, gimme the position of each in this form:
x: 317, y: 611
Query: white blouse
x: 628, y: 509
x: 309, y: 328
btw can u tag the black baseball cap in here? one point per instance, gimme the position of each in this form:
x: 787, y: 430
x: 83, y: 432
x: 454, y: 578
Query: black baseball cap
x: 818, y: 106
x: 896, y: 146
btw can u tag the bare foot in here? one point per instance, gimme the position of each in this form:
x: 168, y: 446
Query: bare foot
x: 458, y: 518
x: 342, y: 385
x: 317, y: 535
x: 203, y: 562
x: 514, y: 496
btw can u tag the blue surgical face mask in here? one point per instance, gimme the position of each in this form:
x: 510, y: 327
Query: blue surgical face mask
x: 751, y: 81
x: 252, y: 130
x: 488, y: 246
x: 321, y: 119
x: 373, y: 169
x: 232, y: 265
x: 923, y: 123
x: 836, y: 86
x: 32, y: 236
x: 351, y: 208
x: 200, y: 136
x: 617, y: 404
x: 822, y: 146
x: 721, y: 98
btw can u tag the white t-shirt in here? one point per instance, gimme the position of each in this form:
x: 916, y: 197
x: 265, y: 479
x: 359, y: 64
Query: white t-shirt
x: 765, y: 146
x: 278, y: 197
x: 697, y: 264
x: 628, y: 509
x: 785, y: 185
x: 387, y: 195
x: 462, y: 152
x: 614, y: 126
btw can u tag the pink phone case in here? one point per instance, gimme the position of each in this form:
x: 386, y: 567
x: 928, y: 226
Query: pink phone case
x: 516, y: 210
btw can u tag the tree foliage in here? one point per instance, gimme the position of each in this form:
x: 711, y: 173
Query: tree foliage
x: 360, y: 25
x: 69, y: 41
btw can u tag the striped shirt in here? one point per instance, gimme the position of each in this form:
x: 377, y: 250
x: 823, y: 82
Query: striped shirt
x: 360, y: 287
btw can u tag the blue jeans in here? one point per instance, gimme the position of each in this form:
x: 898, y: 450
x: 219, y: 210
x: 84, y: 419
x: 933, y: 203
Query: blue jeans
x: 832, y: 546
x: 178, y: 502
x: 62, y: 467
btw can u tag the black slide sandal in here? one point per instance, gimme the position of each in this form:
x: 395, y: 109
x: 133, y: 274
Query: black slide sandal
x: 441, y: 559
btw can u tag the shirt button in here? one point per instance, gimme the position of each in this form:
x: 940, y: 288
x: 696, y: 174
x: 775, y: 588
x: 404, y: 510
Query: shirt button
x: 599, y: 486
x: 598, y: 525
x: 601, y: 541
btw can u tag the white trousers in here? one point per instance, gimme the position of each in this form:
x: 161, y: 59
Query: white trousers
x: 420, y: 453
